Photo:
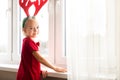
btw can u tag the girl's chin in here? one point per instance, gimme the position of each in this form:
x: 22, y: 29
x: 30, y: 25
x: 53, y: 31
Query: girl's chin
x: 33, y: 36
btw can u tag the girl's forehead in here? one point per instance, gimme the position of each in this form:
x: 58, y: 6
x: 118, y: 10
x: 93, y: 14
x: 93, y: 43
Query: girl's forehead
x: 31, y: 22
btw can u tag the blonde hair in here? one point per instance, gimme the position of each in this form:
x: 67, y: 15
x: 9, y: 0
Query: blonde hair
x: 25, y: 20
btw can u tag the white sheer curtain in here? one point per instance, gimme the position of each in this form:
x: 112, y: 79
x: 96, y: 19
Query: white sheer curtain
x: 92, y: 39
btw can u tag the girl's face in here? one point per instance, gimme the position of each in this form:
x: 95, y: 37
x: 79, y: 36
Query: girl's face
x: 31, y: 28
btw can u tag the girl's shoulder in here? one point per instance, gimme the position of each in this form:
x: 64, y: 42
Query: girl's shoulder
x: 29, y: 41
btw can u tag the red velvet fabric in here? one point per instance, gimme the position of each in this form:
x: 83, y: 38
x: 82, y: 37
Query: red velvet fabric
x: 29, y: 68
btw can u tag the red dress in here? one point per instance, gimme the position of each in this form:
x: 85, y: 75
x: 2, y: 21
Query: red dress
x: 29, y: 68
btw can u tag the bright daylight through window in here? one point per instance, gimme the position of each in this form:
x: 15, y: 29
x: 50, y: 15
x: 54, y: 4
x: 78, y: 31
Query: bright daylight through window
x: 4, y: 27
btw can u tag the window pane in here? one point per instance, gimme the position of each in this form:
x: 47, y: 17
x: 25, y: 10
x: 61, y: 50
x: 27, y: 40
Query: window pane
x: 4, y: 26
x: 43, y: 20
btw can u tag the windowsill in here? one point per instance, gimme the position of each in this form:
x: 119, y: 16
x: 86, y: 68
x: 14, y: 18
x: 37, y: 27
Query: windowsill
x: 51, y: 73
x: 14, y: 68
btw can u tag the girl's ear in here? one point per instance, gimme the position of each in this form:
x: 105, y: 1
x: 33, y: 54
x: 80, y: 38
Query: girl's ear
x: 24, y: 30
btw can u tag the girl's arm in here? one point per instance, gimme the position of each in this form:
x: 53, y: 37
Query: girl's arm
x: 46, y: 63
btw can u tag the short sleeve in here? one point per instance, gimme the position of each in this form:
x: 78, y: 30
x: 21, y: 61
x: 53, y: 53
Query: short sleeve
x: 33, y: 46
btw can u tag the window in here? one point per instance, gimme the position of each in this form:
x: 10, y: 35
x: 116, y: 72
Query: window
x: 9, y: 44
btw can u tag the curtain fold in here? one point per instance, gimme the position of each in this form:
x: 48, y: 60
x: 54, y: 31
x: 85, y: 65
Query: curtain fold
x: 91, y: 40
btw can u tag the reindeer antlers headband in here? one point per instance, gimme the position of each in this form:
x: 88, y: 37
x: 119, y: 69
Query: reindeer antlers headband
x: 26, y: 4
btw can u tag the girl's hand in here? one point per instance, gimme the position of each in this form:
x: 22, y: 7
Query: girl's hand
x: 60, y: 69
x: 44, y: 74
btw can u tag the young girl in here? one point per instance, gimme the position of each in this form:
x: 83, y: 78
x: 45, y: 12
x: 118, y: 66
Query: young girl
x: 30, y: 68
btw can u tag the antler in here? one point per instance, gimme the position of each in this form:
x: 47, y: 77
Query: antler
x: 25, y: 4
x: 39, y: 6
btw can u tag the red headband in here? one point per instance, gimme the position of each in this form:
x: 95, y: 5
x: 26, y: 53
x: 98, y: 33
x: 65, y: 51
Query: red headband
x: 26, y: 4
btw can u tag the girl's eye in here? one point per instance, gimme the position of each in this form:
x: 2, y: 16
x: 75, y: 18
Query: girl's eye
x: 37, y: 27
x: 31, y: 28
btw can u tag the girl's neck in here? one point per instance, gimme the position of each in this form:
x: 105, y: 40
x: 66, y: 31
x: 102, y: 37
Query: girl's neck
x: 35, y: 39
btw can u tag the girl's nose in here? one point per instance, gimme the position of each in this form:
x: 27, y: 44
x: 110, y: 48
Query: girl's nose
x: 35, y: 29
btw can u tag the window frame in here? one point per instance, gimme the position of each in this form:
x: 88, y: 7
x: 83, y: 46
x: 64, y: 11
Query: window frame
x: 60, y: 34
x: 55, y: 54
x: 15, y: 57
